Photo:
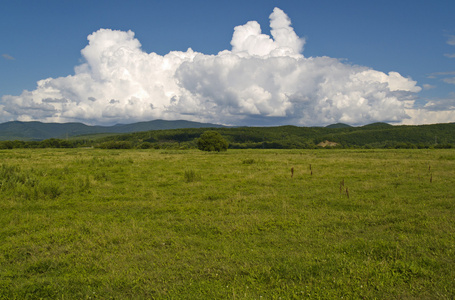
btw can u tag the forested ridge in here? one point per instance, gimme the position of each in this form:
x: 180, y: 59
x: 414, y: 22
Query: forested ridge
x: 377, y: 135
x: 38, y: 131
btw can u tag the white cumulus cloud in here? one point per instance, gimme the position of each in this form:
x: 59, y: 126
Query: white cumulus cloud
x: 262, y: 80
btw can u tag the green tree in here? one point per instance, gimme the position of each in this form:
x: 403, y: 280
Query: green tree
x: 212, y: 141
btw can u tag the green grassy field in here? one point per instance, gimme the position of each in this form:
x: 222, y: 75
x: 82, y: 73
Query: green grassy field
x: 138, y: 224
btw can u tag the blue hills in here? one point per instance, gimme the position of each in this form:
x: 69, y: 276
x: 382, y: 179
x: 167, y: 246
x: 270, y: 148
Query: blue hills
x: 36, y: 131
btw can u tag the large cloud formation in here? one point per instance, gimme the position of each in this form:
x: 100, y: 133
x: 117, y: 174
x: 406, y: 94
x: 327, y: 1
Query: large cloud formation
x: 262, y: 80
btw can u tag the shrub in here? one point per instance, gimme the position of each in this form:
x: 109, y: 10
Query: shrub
x: 116, y: 145
x: 212, y: 141
x: 145, y: 145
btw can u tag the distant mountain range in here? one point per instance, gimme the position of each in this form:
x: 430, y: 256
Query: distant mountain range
x: 36, y: 131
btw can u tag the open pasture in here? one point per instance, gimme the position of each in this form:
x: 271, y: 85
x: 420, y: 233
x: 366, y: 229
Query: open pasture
x: 135, y: 224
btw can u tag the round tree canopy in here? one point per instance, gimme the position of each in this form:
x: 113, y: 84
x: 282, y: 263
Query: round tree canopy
x: 212, y: 141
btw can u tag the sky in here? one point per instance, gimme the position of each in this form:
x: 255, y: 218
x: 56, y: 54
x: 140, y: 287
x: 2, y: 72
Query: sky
x: 244, y: 63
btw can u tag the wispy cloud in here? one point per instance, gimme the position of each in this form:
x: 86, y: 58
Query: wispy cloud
x: 7, y: 56
x: 428, y: 86
x: 442, y: 104
x: 450, y: 80
x: 439, y: 74
x: 451, y: 40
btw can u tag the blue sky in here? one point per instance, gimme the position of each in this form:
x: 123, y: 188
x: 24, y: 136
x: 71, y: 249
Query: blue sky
x: 44, y: 39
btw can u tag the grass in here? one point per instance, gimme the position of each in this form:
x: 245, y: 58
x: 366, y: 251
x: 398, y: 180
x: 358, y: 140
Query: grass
x: 129, y: 224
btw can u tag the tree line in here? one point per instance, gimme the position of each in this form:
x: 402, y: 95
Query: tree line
x: 282, y: 137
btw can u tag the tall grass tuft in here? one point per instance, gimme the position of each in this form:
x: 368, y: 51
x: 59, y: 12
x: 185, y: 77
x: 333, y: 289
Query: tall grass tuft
x: 191, y: 176
x: 248, y: 161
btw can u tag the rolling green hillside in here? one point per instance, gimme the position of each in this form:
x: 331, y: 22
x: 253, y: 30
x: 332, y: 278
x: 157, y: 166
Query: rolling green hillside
x: 289, y: 137
x: 338, y: 125
x: 183, y: 135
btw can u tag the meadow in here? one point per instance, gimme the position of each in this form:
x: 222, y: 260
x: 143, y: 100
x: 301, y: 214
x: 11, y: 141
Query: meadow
x: 241, y: 224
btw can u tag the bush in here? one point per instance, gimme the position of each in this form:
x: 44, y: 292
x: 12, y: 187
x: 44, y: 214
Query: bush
x: 212, y: 141
x: 145, y: 145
